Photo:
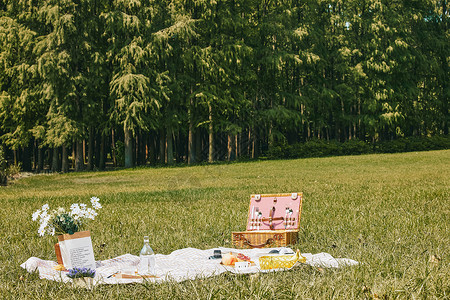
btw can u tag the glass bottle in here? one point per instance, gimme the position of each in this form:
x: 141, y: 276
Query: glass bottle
x: 146, y: 259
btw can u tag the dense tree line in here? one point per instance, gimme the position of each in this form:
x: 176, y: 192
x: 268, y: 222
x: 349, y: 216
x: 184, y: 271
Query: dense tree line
x: 83, y: 82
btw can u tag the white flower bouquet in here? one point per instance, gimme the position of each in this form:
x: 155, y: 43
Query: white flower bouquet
x: 60, y: 221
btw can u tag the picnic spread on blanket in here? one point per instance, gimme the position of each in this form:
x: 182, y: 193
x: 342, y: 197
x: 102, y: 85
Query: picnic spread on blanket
x: 180, y: 265
x: 272, y: 224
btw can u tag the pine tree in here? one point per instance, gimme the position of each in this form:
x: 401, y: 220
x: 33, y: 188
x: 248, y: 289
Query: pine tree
x: 19, y: 103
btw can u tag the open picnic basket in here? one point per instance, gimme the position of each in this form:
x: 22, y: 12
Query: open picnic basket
x: 273, y: 221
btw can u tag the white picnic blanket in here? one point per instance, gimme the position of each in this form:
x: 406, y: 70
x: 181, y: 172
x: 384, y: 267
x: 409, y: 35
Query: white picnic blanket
x: 180, y: 265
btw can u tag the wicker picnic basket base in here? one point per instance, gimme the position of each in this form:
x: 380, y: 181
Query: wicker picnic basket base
x: 264, y: 239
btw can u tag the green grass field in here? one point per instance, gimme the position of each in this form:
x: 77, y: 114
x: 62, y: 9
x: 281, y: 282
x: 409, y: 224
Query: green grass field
x: 390, y: 212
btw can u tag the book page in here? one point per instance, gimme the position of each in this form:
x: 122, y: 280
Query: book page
x: 78, y: 253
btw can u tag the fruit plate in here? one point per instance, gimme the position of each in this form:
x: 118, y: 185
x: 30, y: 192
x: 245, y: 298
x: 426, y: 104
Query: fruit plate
x: 230, y: 259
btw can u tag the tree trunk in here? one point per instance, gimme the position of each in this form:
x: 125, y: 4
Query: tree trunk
x: 40, y: 162
x: 270, y: 137
x: 360, y: 133
x: 102, y: 156
x: 249, y: 145
x: 113, y: 148
x: 237, y: 150
x: 179, y: 147
x: 152, y: 148
x: 254, y: 155
x: 169, y: 146
x: 229, y: 147
x: 128, y: 147
x: 162, y: 147
x: 138, y: 152
x: 144, y: 145
x: 145, y: 148
x: 79, y: 161
x: 198, y: 146
x: 3, y: 166
x: 210, y: 138
x: 90, y: 164
x: 55, y: 160
x: 97, y: 149
x: 140, y: 149
x: 26, y: 158
x: 34, y: 162
x: 84, y: 152
x: 191, y: 154
x: 64, y: 160
x: 74, y: 146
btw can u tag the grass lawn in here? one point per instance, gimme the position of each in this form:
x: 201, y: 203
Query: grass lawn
x: 389, y: 211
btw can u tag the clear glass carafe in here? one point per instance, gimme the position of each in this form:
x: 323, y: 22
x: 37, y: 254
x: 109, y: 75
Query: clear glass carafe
x: 146, y: 259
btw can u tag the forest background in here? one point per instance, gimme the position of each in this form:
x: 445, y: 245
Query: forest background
x: 84, y: 83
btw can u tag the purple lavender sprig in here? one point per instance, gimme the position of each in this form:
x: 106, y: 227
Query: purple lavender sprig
x: 81, y: 272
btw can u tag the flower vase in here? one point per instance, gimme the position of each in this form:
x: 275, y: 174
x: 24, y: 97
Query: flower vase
x: 83, y: 282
